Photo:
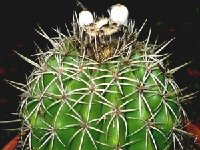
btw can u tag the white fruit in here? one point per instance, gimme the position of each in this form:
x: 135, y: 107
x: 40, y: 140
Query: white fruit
x: 85, y: 18
x: 119, y: 14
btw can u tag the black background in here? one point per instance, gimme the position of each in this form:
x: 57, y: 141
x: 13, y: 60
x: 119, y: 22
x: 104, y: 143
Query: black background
x: 167, y: 19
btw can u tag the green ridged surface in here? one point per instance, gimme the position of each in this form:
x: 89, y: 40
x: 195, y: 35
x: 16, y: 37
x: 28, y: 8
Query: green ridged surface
x: 76, y: 104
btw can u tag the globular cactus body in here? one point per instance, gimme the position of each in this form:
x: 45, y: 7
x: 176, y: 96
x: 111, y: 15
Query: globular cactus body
x: 100, y: 88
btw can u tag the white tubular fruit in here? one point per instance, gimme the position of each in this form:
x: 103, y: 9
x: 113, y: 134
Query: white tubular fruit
x: 119, y: 14
x: 85, y: 18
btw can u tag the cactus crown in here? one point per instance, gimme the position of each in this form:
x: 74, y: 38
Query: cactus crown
x: 104, y: 38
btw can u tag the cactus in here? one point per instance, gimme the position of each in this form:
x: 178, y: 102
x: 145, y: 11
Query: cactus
x: 100, y: 88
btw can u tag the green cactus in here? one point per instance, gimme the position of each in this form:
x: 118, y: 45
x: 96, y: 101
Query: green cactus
x: 100, y: 88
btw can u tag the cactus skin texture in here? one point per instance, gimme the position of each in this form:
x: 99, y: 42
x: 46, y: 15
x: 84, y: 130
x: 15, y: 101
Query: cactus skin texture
x: 100, y: 88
